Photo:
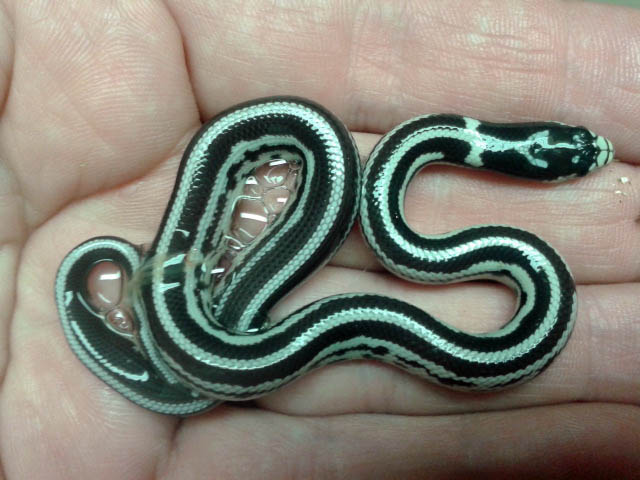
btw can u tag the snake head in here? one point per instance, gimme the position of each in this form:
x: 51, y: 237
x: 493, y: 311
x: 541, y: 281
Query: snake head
x: 569, y: 151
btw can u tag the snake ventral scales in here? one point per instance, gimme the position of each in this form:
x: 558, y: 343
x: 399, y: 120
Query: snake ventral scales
x: 195, y: 342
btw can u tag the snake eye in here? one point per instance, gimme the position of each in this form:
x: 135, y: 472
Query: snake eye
x: 536, y: 148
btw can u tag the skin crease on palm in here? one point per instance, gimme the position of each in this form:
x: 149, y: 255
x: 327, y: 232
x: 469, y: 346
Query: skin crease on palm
x: 97, y: 102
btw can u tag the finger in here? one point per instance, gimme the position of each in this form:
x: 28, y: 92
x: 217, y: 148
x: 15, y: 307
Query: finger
x: 60, y: 422
x: 12, y: 234
x: 98, y: 95
x: 599, y: 363
x: 596, y: 441
x: 6, y: 56
x: 378, y: 63
x: 593, y: 222
x: 485, y: 299
x: 476, y: 299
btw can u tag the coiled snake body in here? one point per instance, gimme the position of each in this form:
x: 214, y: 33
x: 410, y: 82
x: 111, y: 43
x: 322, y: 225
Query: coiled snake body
x: 196, y: 342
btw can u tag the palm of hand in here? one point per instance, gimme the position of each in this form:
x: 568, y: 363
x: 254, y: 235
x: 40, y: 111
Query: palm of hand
x: 99, y: 103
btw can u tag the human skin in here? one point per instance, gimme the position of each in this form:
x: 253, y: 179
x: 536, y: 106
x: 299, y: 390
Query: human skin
x: 97, y: 102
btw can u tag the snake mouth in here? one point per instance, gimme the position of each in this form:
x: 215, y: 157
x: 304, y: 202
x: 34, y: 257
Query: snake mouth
x: 605, y: 151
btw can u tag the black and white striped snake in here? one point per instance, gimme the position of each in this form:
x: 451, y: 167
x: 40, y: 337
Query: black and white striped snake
x: 194, y: 342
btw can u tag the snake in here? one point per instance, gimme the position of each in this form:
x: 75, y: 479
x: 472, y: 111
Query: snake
x: 195, y: 341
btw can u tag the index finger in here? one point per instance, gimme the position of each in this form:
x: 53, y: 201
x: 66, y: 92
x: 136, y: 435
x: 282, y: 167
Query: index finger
x: 378, y: 63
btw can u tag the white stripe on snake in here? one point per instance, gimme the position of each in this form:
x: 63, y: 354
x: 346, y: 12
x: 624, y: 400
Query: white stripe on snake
x: 196, y: 342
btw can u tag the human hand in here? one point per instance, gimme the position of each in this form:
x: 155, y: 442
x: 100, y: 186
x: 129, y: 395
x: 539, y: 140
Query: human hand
x: 99, y: 103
